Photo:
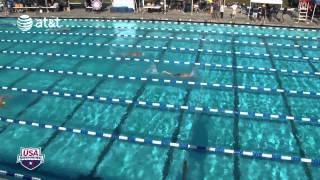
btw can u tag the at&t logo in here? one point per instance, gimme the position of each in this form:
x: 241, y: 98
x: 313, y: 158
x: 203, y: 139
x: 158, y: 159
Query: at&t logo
x: 25, y: 23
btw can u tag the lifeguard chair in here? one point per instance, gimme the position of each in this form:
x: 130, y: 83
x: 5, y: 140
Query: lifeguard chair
x: 303, y: 10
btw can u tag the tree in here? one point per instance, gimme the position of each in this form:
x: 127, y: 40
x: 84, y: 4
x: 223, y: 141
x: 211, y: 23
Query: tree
x: 293, y: 3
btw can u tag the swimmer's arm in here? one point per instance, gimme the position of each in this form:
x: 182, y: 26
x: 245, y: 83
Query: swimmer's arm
x: 167, y: 73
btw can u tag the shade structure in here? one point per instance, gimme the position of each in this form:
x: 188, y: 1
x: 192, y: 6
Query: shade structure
x: 164, y: 5
x: 277, y: 2
x: 123, y: 5
x: 267, y: 1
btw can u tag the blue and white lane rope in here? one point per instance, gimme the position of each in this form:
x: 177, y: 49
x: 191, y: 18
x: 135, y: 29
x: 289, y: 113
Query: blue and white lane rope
x: 252, y: 43
x: 207, y: 66
x: 190, y: 23
x: 250, y: 34
x: 169, y: 107
x: 218, y: 86
x: 168, y: 143
x: 191, y: 50
x: 191, y: 31
x: 17, y: 175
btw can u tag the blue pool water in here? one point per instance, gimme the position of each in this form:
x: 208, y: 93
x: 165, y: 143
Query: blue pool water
x: 94, y: 97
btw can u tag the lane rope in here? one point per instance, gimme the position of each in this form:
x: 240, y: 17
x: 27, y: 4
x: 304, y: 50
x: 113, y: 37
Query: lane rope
x: 135, y: 59
x: 191, y: 23
x: 16, y: 175
x: 163, y: 81
x: 168, y: 143
x: 191, y: 50
x: 169, y: 107
x: 220, y: 41
x: 250, y: 34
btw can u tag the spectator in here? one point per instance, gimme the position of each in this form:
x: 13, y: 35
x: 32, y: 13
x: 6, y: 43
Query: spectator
x: 55, y: 5
x: 5, y: 8
x: 62, y: 5
x: 10, y: 5
x: 284, y: 12
x: 263, y: 13
x: 215, y: 10
x: 211, y: 6
x: 221, y: 11
x: 87, y: 3
x: 255, y: 13
x: 234, y: 11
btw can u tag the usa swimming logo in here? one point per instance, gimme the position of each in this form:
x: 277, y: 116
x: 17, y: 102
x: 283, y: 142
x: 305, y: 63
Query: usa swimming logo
x: 30, y: 158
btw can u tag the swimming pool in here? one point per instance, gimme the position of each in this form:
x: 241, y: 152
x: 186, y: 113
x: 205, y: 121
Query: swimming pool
x: 93, y: 96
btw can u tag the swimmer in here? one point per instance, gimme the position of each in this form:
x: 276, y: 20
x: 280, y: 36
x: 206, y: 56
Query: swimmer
x: 135, y: 54
x: 180, y: 75
x: 152, y: 70
x: 2, y: 101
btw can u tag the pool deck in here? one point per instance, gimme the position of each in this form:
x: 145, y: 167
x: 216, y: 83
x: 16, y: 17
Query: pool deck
x: 172, y: 15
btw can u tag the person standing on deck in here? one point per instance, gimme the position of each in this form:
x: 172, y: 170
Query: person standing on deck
x: 264, y: 13
x: 234, y: 11
x: 284, y: 12
x: 210, y: 2
x: 221, y: 10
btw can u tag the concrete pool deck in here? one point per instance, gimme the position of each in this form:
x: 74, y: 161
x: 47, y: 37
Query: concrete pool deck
x: 174, y: 15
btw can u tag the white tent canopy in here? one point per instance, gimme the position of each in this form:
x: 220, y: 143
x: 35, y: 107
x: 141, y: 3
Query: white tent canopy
x: 267, y: 1
x: 277, y: 2
x: 124, y: 3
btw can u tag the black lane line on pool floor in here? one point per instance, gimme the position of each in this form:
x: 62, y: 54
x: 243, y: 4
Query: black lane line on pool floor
x: 36, y: 100
x: 75, y: 109
x: 43, y: 173
x: 174, y: 139
x: 117, y: 130
x: 293, y: 128
x: 176, y: 132
x: 14, y: 83
x: 18, y: 115
x: 236, y: 145
x: 69, y: 116
x: 28, y: 73
x: 314, y: 69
